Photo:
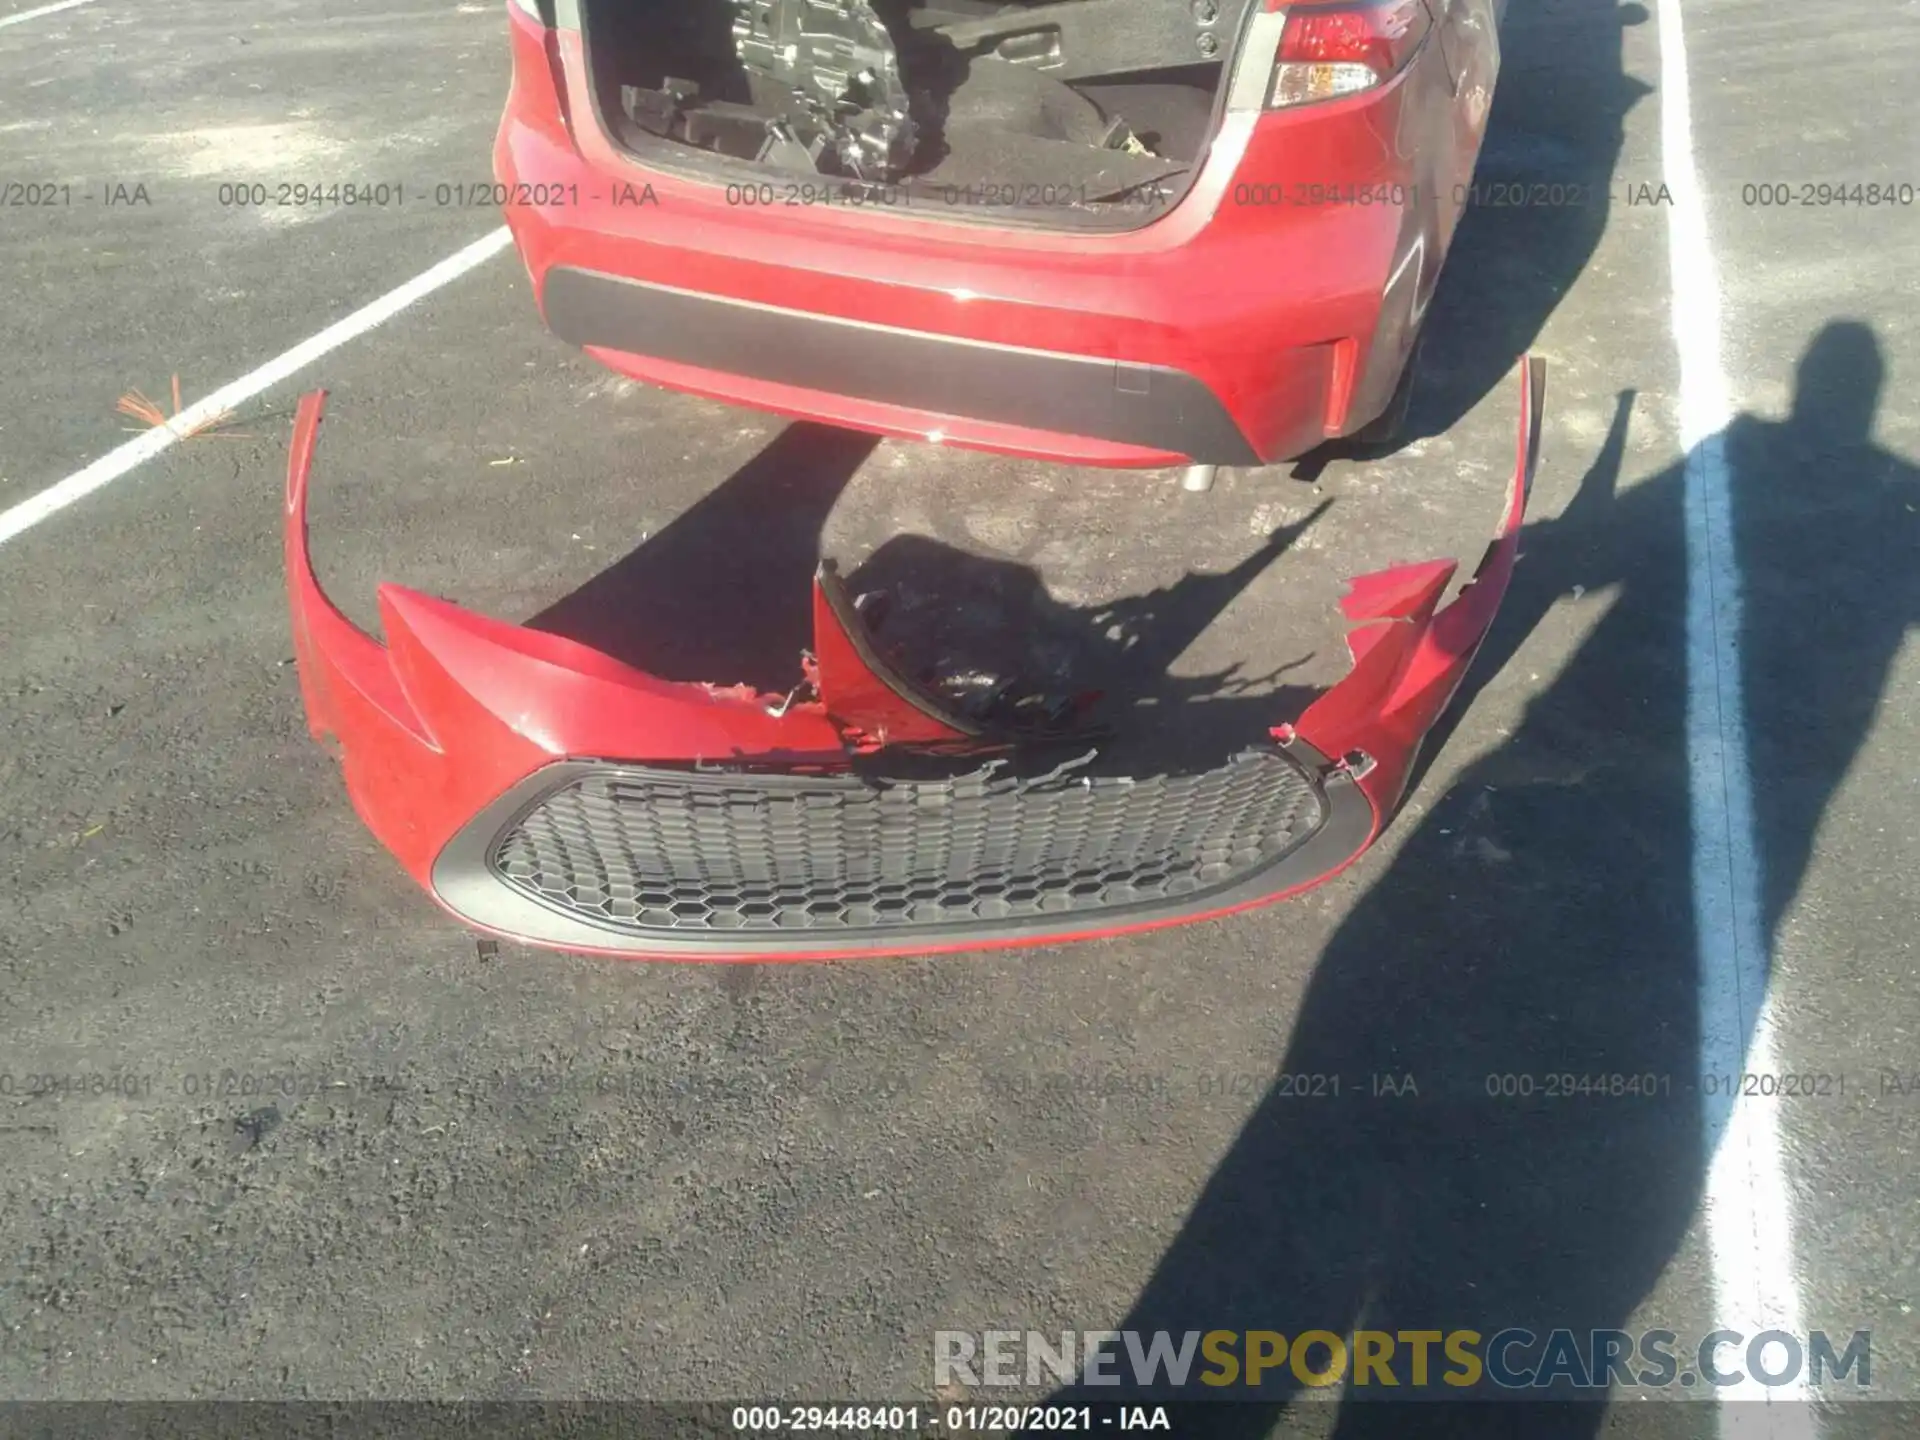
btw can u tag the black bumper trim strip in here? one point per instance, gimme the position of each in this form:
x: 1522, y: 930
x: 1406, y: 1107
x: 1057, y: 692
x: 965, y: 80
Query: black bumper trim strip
x: 1152, y: 406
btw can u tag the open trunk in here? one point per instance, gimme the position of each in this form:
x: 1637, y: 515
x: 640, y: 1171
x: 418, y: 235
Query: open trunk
x: 1063, y: 112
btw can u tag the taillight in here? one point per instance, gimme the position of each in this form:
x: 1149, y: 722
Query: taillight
x: 1331, y: 50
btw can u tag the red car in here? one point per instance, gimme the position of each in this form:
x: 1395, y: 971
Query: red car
x: 1119, y: 231
x: 1114, y: 232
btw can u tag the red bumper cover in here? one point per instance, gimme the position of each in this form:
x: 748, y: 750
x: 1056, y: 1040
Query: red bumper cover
x: 546, y: 792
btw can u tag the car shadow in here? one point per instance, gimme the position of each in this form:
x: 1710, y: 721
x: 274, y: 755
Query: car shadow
x: 961, y: 614
x: 721, y: 594
x: 1539, y: 920
x: 1544, y: 187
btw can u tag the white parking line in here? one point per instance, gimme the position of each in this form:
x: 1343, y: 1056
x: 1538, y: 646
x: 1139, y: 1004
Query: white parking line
x: 38, y: 11
x: 115, y: 463
x: 1747, y: 1203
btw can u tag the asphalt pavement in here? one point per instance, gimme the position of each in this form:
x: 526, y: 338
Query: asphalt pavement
x: 274, y: 1127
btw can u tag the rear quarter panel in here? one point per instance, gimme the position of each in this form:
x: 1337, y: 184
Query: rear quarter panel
x: 1469, y: 34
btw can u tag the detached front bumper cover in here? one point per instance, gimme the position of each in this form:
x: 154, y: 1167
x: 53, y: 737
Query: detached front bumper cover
x: 548, y: 793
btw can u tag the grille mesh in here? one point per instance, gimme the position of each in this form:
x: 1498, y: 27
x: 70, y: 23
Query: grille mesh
x: 638, y: 849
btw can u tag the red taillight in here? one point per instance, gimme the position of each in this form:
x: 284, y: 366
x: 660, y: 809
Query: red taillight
x: 1331, y: 50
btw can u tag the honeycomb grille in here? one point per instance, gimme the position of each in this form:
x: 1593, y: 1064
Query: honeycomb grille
x: 643, y: 850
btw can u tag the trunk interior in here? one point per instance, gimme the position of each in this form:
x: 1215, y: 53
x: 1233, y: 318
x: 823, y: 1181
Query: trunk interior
x: 1060, y: 112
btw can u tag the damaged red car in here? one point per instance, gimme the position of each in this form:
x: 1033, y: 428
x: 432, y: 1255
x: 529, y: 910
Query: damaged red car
x: 1107, y: 232
x: 547, y: 792
x: 1119, y: 232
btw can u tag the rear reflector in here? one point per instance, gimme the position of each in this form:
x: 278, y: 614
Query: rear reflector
x: 1327, y: 51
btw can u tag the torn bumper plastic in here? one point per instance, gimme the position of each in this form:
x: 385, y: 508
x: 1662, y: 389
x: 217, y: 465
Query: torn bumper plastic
x: 545, y: 792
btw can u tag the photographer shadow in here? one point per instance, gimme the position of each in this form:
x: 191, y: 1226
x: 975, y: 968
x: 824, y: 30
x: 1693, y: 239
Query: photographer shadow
x: 1539, y: 920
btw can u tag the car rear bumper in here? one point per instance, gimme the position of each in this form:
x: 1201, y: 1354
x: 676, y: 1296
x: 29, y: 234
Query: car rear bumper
x: 544, y: 791
x: 1149, y: 408
x: 1258, y: 331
